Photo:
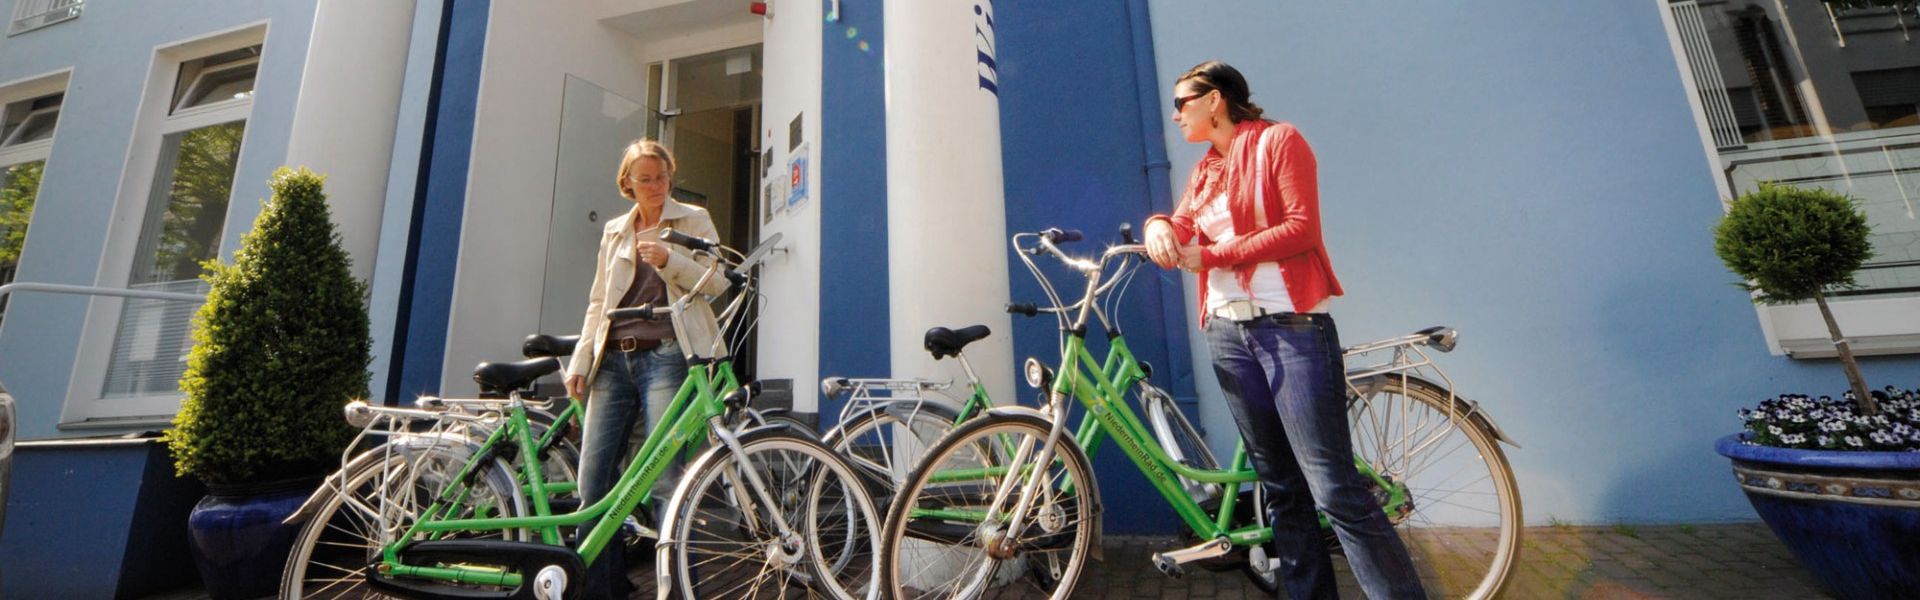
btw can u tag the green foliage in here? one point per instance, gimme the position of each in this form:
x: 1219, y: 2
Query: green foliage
x: 18, y: 186
x: 280, y: 346
x: 1791, y: 243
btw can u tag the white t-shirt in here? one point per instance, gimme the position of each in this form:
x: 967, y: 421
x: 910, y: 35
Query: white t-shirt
x: 1269, y: 289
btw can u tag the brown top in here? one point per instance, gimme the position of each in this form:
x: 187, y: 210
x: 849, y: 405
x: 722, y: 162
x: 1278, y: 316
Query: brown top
x: 647, y: 288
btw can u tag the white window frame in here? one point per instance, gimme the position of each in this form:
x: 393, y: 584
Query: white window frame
x: 1873, y: 326
x: 30, y: 88
x: 85, y: 408
x: 45, y: 12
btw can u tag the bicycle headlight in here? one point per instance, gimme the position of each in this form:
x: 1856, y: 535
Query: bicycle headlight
x: 359, y: 414
x: 1038, y: 375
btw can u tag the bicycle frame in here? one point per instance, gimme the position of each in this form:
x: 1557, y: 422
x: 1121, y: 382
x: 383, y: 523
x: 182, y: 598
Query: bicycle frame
x: 697, y: 410
x: 1100, y: 387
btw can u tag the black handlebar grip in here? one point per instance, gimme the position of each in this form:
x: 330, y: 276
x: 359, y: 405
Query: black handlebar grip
x: 686, y: 241
x: 1061, y: 236
x: 643, y: 312
x: 739, y: 279
x: 1022, y: 308
x: 1126, y: 234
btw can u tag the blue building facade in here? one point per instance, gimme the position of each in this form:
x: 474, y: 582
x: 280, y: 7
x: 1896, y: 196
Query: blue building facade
x: 1543, y: 179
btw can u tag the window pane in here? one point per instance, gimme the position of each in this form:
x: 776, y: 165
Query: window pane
x: 186, y: 213
x: 30, y: 120
x: 1801, y: 94
x: 218, y: 78
x: 19, y: 184
x: 226, y: 84
x: 189, y: 206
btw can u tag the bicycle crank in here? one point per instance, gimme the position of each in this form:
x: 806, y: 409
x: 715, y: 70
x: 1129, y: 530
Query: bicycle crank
x: 1170, y: 562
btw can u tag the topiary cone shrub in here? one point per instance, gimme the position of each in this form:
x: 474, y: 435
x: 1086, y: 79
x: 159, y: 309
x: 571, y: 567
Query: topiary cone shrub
x: 279, y: 347
x: 1790, y: 244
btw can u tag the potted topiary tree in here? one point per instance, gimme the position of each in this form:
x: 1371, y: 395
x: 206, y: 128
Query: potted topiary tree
x: 279, y: 347
x: 1837, y: 480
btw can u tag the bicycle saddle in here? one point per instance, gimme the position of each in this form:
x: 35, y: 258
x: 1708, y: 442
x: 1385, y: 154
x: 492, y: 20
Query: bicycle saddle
x: 943, y: 342
x: 509, y: 376
x: 540, y: 344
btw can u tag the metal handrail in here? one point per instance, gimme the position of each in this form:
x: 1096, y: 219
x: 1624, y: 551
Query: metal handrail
x: 87, y: 290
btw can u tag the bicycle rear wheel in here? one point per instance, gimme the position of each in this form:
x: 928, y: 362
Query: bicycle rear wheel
x: 939, y: 541
x: 1461, y: 520
x: 885, y: 442
x: 377, y: 497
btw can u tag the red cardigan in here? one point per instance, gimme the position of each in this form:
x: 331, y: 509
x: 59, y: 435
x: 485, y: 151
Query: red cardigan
x: 1286, y: 170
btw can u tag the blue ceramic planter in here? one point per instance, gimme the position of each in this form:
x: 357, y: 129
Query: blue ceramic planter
x: 1851, y: 518
x: 238, y: 542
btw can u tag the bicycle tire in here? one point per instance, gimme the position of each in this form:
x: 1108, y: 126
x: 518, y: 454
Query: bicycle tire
x: 1063, y: 528
x: 1405, y: 440
x: 710, y: 507
x: 350, y: 542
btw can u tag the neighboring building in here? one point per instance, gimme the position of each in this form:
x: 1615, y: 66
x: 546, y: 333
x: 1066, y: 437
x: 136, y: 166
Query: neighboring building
x: 1543, y: 178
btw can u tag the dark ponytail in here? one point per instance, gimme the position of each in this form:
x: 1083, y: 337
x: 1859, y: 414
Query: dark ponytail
x: 1218, y: 76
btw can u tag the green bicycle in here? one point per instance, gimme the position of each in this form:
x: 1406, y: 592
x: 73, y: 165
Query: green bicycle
x: 757, y: 514
x: 1007, y: 505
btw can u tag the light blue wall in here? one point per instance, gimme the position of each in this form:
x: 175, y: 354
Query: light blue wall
x: 110, y: 48
x: 1531, y: 174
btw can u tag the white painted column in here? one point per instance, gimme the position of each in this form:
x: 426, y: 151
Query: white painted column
x: 344, y: 119
x: 946, y: 210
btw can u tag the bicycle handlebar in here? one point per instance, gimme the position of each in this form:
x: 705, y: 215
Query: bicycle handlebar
x: 645, y: 312
x: 686, y: 241
x: 1062, y: 236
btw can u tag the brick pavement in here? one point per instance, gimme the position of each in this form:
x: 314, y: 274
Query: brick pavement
x: 1557, y: 562
x: 1687, y: 561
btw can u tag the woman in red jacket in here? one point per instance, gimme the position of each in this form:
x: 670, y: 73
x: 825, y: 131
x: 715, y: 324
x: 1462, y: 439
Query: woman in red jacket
x: 1249, y: 225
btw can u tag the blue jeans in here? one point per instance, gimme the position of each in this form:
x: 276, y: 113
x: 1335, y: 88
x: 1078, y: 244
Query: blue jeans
x: 1284, y: 378
x: 630, y: 392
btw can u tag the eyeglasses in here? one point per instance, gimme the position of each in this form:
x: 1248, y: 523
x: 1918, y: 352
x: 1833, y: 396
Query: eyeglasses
x: 1180, y: 102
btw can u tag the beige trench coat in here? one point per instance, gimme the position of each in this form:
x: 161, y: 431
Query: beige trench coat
x: 613, y: 274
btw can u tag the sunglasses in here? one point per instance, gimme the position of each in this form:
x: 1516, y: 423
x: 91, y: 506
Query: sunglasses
x: 1180, y: 102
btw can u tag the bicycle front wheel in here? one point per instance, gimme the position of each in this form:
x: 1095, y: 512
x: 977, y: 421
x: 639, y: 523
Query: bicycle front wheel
x: 1450, y: 492
x: 724, y: 540
x: 946, y: 537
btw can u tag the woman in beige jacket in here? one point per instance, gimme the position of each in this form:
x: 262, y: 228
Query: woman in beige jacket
x: 628, y: 371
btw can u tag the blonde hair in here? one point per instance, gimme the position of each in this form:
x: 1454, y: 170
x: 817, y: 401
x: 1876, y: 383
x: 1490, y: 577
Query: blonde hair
x: 641, y: 148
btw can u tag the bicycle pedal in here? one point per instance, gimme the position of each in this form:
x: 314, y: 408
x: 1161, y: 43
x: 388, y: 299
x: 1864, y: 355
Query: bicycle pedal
x: 1168, y: 566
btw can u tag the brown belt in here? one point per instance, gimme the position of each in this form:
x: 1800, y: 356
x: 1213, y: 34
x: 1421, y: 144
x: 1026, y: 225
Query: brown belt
x: 634, y: 344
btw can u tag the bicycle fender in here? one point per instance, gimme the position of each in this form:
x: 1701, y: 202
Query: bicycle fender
x: 899, y: 408
x: 1468, y: 409
x: 1026, y: 411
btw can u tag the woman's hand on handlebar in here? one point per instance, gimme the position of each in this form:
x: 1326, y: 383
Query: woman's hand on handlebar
x: 577, y: 387
x: 1190, y: 258
x: 1161, y: 246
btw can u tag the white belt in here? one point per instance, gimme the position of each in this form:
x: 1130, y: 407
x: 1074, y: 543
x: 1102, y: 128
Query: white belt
x: 1240, y: 310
